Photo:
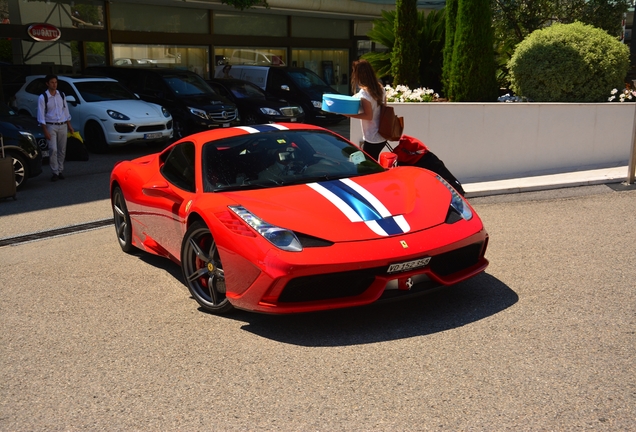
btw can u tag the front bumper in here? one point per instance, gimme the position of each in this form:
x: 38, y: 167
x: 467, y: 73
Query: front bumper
x: 354, y: 274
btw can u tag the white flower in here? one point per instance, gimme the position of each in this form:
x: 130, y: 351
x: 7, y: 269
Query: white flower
x: 611, y: 98
x: 614, y: 91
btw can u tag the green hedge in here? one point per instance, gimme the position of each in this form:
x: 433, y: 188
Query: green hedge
x: 568, y: 63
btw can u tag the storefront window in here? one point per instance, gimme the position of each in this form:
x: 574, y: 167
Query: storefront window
x: 331, y: 65
x: 226, y: 23
x: 155, y: 18
x: 80, y: 14
x: 251, y: 56
x: 193, y: 58
x: 94, y: 51
x: 319, y: 28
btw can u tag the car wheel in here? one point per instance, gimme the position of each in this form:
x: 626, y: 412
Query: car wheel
x: 121, y: 217
x: 95, y: 139
x: 178, y: 130
x: 250, y: 119
x: 202, y: 269
x: 20, y: 168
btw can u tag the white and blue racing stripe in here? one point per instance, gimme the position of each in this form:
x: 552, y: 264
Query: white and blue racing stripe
x: 360, y: 205
x: 262, y: 128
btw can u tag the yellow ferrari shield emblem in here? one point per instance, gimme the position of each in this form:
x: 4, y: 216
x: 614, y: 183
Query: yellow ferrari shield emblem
x: 210, y: 267
x: 404, y: 245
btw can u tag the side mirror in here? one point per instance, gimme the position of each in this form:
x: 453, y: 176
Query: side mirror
x: 71, y: 99
x: 388, y: 160
x: 161, y: 190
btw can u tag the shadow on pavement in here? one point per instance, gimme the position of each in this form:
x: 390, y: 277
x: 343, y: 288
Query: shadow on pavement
x: 449, y: 308
x: 446, y: 309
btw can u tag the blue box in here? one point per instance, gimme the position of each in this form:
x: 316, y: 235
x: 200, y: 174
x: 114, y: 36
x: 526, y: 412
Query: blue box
x: 340, y: 104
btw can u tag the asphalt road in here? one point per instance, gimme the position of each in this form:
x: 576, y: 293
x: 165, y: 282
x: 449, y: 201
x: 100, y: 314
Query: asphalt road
x: 95, y: 339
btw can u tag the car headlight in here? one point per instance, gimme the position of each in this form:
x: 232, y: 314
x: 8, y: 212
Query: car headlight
x: 30, y: 137
x: 317, y: 104
x: 269, y: 111
x: 300, y: 109
x: 457, y: 202
x: 165, y: 112
x: 280, y: 237
x: 199, y: 113
x: 117, y: 115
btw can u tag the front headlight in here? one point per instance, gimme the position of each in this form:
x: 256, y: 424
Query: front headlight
x: 165, y: 112
x: 457, y: 202
x: 280, y: 237
x: 30, y: 137
x: 117, y: 115
x: 199, y: 113
x: 317, y: 104
x: 269, y: 111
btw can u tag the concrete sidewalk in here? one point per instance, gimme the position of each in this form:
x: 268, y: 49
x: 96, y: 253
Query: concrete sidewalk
x: 545, y: 182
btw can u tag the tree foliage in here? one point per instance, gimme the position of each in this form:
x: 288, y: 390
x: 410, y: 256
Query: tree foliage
x: 405, y: 59
x: 430, y: 41
x: 472, y: 73
x: 514, y: 20
x: 568, y: 63
x: 451, y: 21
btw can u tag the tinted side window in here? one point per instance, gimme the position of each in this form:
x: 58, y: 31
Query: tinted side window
x: 153, y: 84
x: 276, y: 79
x: 66, y: 88
x: 178, y: 168
x: 36, y: 87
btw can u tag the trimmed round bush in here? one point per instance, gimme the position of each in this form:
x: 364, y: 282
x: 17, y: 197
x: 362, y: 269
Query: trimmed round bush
x: 568, y: 63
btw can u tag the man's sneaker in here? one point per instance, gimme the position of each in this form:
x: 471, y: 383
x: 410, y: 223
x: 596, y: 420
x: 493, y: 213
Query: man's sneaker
x: 54, y: 177
x: 61, y: 176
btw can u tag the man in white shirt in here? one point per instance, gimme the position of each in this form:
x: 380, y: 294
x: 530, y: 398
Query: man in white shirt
x: 55, y: 120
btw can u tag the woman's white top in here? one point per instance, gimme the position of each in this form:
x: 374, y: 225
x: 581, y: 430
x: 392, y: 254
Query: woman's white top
x: 370, y: 127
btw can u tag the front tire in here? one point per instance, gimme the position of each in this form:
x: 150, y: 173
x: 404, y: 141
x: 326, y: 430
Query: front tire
x: 20, y: 168
x: 121, y: 217
x: 202, y: 269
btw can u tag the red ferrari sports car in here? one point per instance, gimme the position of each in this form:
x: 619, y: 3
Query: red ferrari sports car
x: 287, y: 218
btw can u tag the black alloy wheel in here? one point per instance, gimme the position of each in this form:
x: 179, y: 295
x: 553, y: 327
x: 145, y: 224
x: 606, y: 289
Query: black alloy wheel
x: 202, y: 269
x: 122, y: 221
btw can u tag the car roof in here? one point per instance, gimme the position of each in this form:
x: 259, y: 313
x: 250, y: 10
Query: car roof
x: 73, y: 78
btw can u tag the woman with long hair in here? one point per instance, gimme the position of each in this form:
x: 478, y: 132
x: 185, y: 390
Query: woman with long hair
x: 371, y: 95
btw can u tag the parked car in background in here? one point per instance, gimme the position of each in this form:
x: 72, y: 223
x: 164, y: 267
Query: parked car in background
x: 103, y: 111
x: 21, y: 146
x: 255, y: 105
x: 27, y: 123
x: 194, y: 106
x: 299, y: 86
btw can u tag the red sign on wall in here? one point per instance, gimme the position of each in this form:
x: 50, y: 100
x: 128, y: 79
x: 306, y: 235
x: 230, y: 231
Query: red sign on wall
x: 43, y: 32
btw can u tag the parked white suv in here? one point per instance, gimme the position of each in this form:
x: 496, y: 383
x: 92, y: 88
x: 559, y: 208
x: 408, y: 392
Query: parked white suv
x: 102, y: 110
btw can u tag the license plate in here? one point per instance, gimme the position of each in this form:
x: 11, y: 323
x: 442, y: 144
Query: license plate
x: 293, y: 119
x: 152, y: 135
x: 409, y: 265
x: 45, y: 153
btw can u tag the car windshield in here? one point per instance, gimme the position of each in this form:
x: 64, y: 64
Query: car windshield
x: 281, y: 158
x: 246, y: 91
x: 98, y: 91
x: 187, y: 84
x: 306, y: 78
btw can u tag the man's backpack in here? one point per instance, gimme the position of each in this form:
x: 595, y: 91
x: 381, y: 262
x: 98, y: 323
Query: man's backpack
x: 46, y: 100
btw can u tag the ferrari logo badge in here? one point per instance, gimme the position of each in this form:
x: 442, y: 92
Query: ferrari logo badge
x: 210, y: 267
x: 404, y: 245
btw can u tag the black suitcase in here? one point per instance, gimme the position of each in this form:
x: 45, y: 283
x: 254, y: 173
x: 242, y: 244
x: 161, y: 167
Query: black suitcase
x: 7, y: 175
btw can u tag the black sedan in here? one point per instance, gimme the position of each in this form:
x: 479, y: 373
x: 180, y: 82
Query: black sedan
x: 21, y: 146
x: 27, y: 123
x: 255, y: 105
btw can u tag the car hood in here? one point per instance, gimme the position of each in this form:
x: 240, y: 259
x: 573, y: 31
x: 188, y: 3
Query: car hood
x: 262, y: 103
x: 28, y: 124
x: 316, y: 92
x: 207, y: 102
x: 135, y: 109
x: 394, y: 202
